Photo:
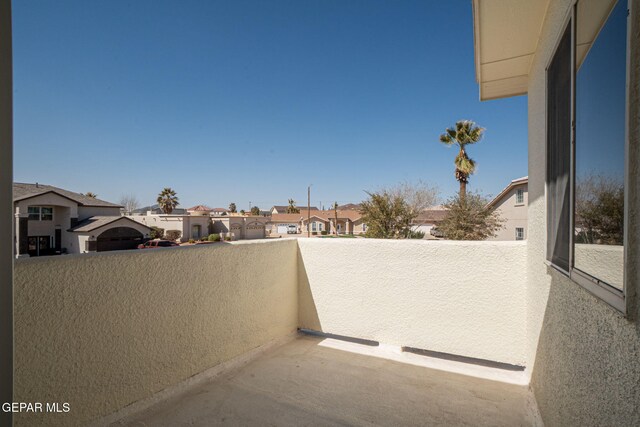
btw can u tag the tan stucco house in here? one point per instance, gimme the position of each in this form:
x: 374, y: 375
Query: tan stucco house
x: 199, y: 221
x: 511, y: 203
x: 349, y: 222
x: 49, y: 220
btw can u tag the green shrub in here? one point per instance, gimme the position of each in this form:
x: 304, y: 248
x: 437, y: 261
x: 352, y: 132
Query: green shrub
x: 227, y: 238
x: 191, y: 241
x: 156, y: 233
x: 214, y: 237
x: 172, y: 235
x: 315, y: 233
x: 323, y: 232
x: 416, y: 234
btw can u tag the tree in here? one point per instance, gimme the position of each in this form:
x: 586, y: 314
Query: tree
x: 418, y: 196
x: 129, y: 202
x: 173, y: 235
x: 335, y: 212
x: 599, y: 210
x: 242, y: 212
x: 156, y: 232
x: 390, y: 212
x: 90, y: 194
x: 469, y: 218
x: 386, y: 215
x: 255, y: 210
x: 463, y: 133
x: 167, y: 200
x: 292, y: 207
x: 233, y: 208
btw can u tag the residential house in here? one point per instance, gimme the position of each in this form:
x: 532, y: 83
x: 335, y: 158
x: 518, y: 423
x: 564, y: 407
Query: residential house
x: 49, y: 220
x: 219, y: 212
x: 349, y: 222
x: 428, y: 219
x: 512, y: 206
x: 200, y: 221
x: 283, y: 209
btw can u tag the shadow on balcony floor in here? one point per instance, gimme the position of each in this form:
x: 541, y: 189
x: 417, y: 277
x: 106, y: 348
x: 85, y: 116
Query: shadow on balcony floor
x: 316, y: 381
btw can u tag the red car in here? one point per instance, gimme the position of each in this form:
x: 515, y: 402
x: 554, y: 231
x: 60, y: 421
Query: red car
x: 157, y: 244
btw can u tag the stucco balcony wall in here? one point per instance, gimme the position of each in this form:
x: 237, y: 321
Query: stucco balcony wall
x: 462, y: 298
x: 104, y: 331
x: 101, y: 331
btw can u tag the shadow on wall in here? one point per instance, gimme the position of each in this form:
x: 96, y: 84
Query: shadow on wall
x: 587, y: 368
x: 307, y: 311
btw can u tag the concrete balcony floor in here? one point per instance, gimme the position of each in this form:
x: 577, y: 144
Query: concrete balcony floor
x: 320, y: 381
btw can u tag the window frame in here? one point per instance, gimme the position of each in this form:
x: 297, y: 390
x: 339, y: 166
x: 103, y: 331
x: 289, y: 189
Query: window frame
x: 517, y: 233
x: 39, y: 213
x: 614, y: 297
x: 519, y: 194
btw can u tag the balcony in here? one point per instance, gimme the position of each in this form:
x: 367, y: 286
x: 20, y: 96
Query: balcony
x: 397, y: 332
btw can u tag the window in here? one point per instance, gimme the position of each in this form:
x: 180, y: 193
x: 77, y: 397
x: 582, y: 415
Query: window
x: 586, y: 162
x: 40, y: 213
x: 520, y: 197
x: 319, y: 226
x: 519, y: 233
x: 313, y: 226
x: 364, y: 227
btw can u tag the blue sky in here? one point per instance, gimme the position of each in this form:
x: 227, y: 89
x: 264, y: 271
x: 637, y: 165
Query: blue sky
x: 252, y: 100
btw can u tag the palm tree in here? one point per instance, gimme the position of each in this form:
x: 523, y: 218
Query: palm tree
x: 92, y: 195
x: 167, y: 200
x: 465, y: 132
x: 292, y: 207
x: 233, y: 208
x: 335, y: 212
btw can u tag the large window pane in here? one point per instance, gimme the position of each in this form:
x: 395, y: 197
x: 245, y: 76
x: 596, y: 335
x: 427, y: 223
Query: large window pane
x: 600, y: 139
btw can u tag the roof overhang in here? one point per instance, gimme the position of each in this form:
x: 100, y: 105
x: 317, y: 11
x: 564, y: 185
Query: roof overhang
x: 506, y: 34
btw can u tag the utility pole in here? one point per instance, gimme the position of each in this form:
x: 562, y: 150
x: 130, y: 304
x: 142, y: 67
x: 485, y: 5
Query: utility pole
x: 309, y: 211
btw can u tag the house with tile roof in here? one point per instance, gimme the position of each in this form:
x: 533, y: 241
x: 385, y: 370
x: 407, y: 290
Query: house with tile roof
x: 349, y: 222
x: 49, y: 221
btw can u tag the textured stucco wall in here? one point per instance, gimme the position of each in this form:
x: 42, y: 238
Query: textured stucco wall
x: 101, y: 331
x: 464, y: 298
x: 587, y: 369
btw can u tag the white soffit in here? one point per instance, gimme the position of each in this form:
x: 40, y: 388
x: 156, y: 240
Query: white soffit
x: 506, y: 36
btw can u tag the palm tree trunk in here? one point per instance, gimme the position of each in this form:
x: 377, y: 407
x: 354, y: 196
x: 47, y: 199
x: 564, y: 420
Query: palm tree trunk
x: 463, y: 190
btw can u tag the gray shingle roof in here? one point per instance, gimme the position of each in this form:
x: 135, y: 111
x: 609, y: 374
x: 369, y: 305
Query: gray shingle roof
x: 95, y: 222
x: 23, y: 191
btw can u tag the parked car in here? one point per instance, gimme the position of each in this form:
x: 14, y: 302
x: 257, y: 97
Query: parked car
x: 292, y: 229
x: 157, y: 244
x: 435, y: 232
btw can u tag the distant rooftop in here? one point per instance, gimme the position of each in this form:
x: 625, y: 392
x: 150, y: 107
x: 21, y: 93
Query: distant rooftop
x: 23, y: 191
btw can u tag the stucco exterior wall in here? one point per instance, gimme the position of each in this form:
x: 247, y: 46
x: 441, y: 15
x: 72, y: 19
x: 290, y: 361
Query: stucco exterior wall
x: 101, y: 331
x: 586, y: 369
x: 464, y: 298
x: 515, y: 215
x: 182, y: 223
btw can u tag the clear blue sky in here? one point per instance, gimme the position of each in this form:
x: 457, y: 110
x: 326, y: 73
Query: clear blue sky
x: 252, y: 100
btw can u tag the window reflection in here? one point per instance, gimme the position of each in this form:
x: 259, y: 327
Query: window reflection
x: 600, y: 139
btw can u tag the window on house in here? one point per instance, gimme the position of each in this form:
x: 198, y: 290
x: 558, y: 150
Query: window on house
x: 519, y: 233
x: 314, y: 226
x: 319, y: 226
x: 40, y: 213
x: 519, y: 197
x: 586, y: 162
